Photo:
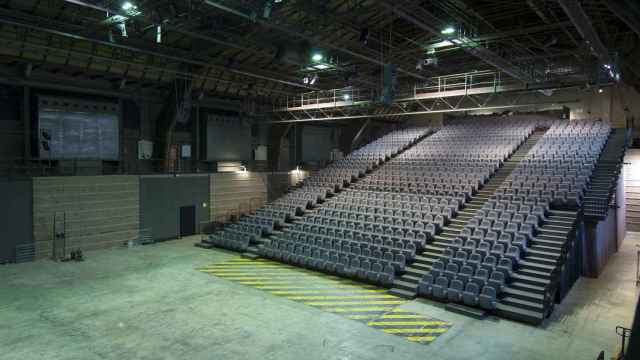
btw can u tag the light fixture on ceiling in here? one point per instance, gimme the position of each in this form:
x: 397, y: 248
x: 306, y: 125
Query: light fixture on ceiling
x: 314, y: 79
x: 448, y: 30
x: 600, y: 90
x: 346, y: 97
x: 305, y: 80
x: 317, y: 57
x: 128, y: 6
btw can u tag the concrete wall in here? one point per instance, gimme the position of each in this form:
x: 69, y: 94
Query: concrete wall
x: 101, y: 211
x: 15, y: 217
x: 236, y: 193
x: 632, y: 189
x: 317, y: 143
x: 615, y: 104
x: 161, y: 198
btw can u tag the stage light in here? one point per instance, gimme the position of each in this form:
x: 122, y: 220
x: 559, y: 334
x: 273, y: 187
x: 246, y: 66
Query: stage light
x: 314, y: 79
x: 317, y: 57
x: 346, y: 97
x: 448, y: 30
x: 600, y: 91
x: 127, y: 6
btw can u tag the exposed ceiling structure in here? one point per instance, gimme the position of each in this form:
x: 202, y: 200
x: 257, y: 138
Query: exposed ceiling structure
x: 267, y: 50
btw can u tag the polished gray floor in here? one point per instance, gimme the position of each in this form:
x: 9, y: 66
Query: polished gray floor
x: 151, y: 303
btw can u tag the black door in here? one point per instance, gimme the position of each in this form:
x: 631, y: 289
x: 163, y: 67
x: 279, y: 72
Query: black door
x: 187, y: 221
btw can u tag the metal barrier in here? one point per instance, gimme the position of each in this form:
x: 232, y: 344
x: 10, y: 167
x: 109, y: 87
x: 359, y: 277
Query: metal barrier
x: 624, y: 333
x: 637, y: 265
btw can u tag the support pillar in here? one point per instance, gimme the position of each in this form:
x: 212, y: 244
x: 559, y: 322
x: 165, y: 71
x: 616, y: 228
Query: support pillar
x: 26, y: 118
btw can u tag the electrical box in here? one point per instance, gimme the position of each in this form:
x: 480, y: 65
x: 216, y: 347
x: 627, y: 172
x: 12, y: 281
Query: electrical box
x: 260, y: 153
x: 145, y: 149
x: 185, y: 151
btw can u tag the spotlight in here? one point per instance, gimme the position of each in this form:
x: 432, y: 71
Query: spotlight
x: 448, y: 30
x: 317, y: 57
x: 314, y: 79
x: 305, y: 80
x: 600, y: 91
x: 127, y: 6
x: 346, y: 97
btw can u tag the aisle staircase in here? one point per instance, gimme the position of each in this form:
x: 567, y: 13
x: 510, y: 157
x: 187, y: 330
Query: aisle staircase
x: 529, y: 296
x: 407, y: 285
x: 605, y: 176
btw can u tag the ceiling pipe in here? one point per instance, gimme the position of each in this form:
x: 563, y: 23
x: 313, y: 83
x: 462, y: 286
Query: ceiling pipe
x: 424, y: 21
x: 151, y: 52
x: 629, y: 14
x: 194, y: 35
x: 312, y: 39
x: 583, y: 24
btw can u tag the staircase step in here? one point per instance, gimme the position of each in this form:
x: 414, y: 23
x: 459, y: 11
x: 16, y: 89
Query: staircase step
x: 526, y: 287
x: 405, y: 294
x: 520, y: 314
x: 523, y: 295
x: 523, y: 304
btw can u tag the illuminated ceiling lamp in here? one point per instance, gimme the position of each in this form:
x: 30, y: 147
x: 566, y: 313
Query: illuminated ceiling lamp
x: 314, y: 79
x: 449, y: 30
x: 128, y: 6
x: 317, y: 57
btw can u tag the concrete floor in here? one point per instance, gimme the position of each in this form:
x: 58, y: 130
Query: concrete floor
x: 151, y: 303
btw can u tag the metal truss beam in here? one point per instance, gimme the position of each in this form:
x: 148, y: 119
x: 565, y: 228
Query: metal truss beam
x: 517, y: 100
x: 426, y: 21
x: 300, y: 35
x: 583, y: 24
x: 627, y: 12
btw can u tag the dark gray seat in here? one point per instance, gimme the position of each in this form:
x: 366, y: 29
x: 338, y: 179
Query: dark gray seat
x: 425, y: 286
x: 488, y: 298
x: 439, y: 289
x: 454, y: 293
x: 470, y: 294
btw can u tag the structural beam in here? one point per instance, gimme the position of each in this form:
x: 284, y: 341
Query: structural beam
x: 356, y: 138
x: 583, y: 24
x: 426, y: 21
x: 627, y: 12
x: 312, y: 39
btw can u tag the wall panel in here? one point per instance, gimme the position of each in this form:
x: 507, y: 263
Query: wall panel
x: 101, y: 211
x: 236, y: 193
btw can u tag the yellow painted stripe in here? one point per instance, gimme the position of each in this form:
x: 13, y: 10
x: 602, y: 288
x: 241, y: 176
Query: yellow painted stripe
x: 407, y: 323
x: 273, y: 282
x: 415, y: 331
x: 255, y: 273
x: 421, y: 338
x: 343, y: 303
x: 388, y: 316
x: 328, y: 290
x: 360, y: 309
x: 339, y: 297
x: 311, y: 287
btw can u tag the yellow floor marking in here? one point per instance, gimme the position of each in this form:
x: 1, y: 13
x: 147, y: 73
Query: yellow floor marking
x: 388, y: 316
x: 343, y: 303
x: 328, y: 290
x: 360, y: 309
x: 406, y: 323
x: 415, y: 331
x: 421, y: 338
x: 403, y: 316
x: 312, y: 286
x: 340, y: 297
x: 232, y: 274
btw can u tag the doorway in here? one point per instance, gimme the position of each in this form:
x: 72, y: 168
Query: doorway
x: 187, y: 220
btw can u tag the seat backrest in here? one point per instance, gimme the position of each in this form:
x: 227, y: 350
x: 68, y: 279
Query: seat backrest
x: 442, y: 281
x: 472, y: 288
